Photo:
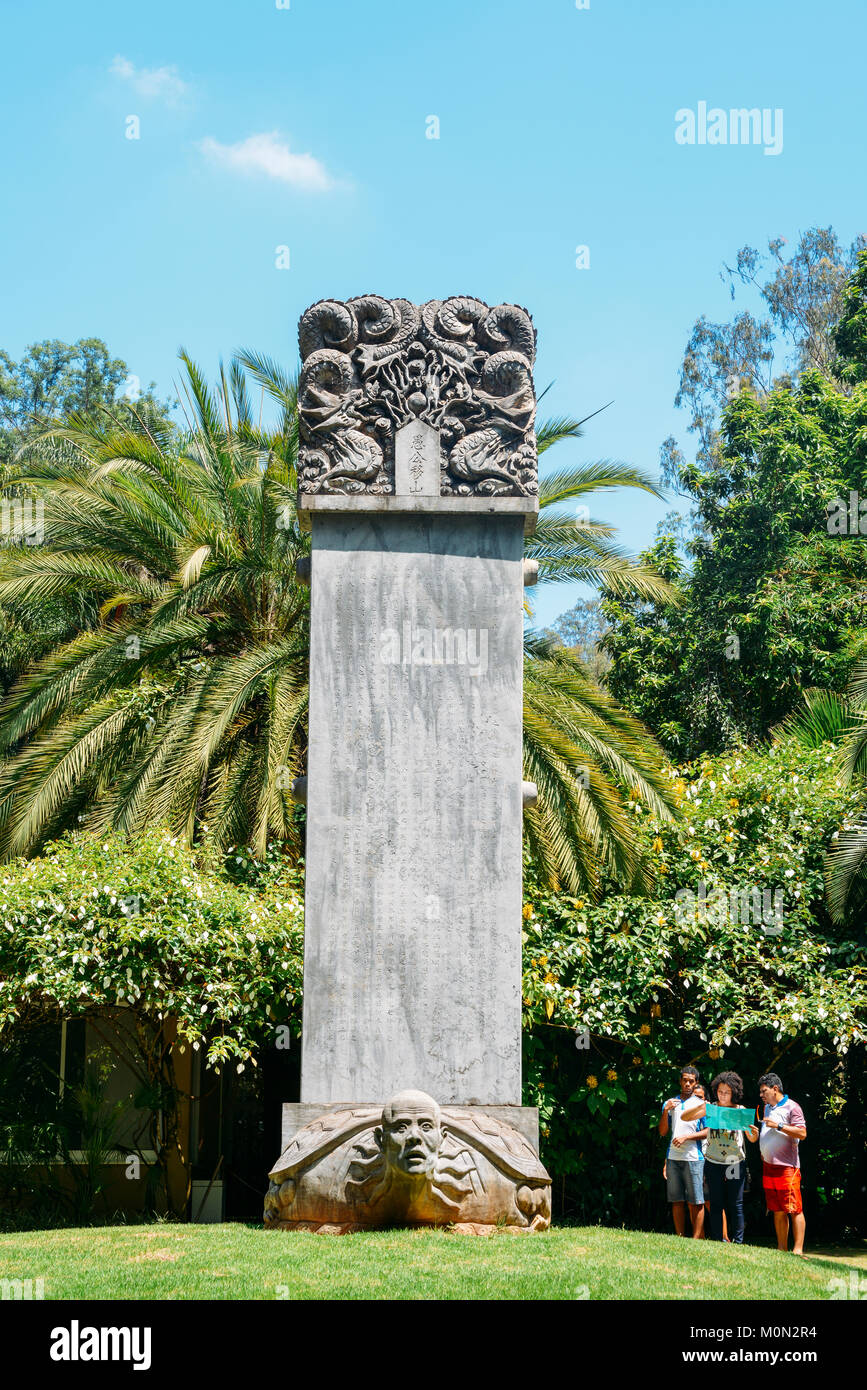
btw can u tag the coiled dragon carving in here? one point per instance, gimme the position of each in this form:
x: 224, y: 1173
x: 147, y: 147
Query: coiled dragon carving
x: 371, y: 365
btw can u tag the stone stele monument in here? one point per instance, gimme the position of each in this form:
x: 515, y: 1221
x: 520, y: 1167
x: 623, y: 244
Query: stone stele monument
x: 418, y: 478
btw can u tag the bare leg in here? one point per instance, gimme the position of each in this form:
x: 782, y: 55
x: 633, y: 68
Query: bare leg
x: 799, y: 1227
x: 696, y: 1213
x: 781, y: 1225
x: 678, y: 1211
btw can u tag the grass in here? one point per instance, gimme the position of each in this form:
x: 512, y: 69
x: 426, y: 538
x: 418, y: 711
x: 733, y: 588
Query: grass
x: 166, y: 1261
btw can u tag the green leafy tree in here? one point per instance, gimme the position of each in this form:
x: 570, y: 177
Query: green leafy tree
x: 580, y: 629
x: 776, y: 601
x: 55, y: 380
x: 851, y: 334
x: 157, y: 938
x: 802, y: 301
x: 773, y: 598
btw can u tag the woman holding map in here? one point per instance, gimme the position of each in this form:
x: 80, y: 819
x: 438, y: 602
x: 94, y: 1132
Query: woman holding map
x: 725, y: 1158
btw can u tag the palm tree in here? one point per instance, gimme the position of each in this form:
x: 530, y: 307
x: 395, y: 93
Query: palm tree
x: 580, y: 748
x: 184, y: 698
x: 846, y: 863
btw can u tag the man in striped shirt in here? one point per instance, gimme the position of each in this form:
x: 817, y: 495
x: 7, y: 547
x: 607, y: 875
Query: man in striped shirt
x: 783, y: 1128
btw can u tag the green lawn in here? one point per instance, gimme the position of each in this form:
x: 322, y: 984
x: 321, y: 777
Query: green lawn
x: 163, y: 1261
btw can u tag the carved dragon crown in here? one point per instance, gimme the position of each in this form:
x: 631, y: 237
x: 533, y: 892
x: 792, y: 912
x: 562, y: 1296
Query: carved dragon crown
x: 371, y: 366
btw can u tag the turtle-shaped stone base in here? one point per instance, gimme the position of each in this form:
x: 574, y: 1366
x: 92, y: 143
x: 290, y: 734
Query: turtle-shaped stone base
x: 409, y: 1164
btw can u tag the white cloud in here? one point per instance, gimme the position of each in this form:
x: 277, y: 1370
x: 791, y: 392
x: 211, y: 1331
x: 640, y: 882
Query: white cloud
x: 268, y: 154
x: 160, y: 83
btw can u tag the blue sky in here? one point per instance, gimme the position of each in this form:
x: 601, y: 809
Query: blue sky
x: 305, y: 127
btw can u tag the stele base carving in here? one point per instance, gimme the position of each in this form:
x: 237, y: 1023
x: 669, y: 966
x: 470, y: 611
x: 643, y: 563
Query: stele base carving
x: 410, y: 1164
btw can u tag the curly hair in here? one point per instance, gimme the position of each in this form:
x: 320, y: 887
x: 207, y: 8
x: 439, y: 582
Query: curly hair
x: 732, y: 1080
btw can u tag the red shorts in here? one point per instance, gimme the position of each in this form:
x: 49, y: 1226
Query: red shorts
x: 782, y: 1188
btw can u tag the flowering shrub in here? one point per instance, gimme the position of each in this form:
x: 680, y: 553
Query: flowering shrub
x: 619, y: 994
x: 154, y: 927
x: 197, y: 956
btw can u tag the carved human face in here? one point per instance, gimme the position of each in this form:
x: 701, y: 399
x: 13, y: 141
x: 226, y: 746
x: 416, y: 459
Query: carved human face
x: 411, y: 1135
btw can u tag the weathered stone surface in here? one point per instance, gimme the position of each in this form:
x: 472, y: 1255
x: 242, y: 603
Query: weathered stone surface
x: 410, y: 1163
x: 297, y: 1114
x: 412, y: 960
x: 372, y: 366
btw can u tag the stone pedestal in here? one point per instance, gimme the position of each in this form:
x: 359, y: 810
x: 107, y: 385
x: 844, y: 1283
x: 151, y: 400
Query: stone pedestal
x: 410, y: 1162
x: 417, y: 475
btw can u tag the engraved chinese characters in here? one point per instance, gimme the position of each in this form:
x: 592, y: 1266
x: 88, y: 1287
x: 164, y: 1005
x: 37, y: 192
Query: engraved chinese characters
x: 417, y: 460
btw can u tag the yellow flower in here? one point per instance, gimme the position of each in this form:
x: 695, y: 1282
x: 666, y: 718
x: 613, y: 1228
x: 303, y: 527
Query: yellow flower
x: 550, y: 979
x: 611, y: 1076
x: 729, y: 838
x: 657, y: 845
x: 528, y: 911
x: 733, y: 802
x: 714, y: 1053
x: 644, y: 1030
x: 592, y: 1082
x: 636, y: 1061
x: 656, y: 1011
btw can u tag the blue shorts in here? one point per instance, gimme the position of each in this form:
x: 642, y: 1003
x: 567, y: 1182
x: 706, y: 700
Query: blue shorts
x: 685, y: 1180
